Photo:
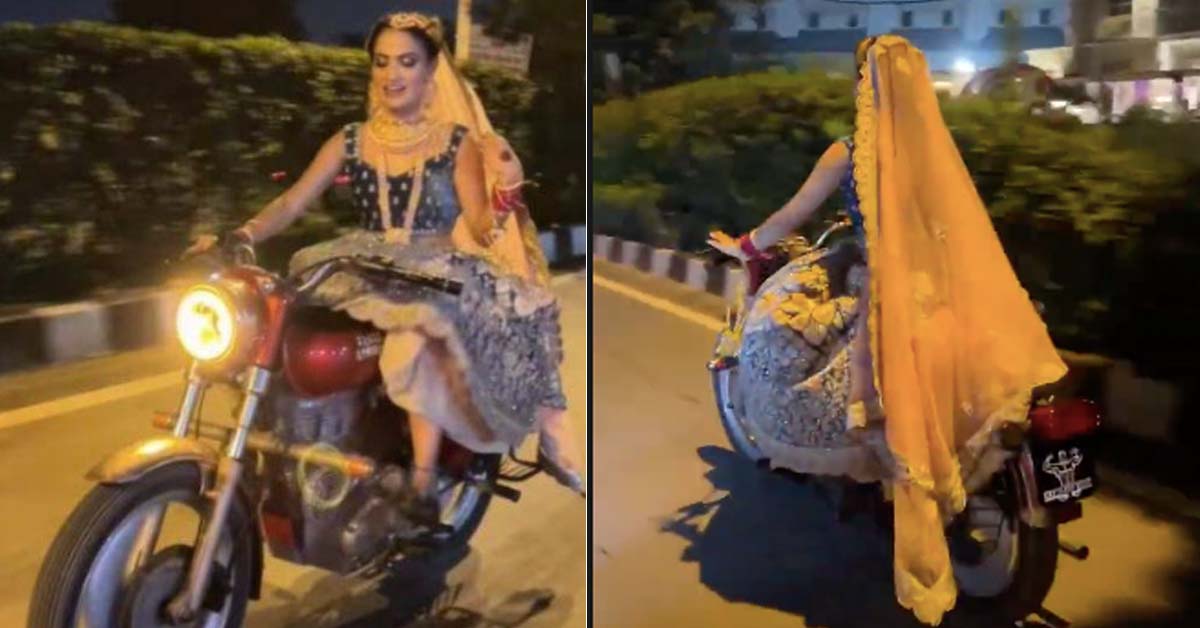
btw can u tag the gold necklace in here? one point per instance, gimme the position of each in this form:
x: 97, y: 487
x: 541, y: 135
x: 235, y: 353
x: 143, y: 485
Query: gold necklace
x: 396, y: 135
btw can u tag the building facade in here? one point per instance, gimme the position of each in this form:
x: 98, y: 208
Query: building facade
x: 957, y: 36
x: 1131, y: 52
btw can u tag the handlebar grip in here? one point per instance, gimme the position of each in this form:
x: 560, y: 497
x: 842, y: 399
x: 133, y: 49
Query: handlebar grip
x: 441, y: 284
x: 389, y: 271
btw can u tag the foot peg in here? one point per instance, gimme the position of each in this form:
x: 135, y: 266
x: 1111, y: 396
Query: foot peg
x: 507, y: 492
x: 1078, y: 552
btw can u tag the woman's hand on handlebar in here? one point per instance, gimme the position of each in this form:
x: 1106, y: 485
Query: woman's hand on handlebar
x: 727, y: 244
x: 203, y: 244
x: 227, y: 243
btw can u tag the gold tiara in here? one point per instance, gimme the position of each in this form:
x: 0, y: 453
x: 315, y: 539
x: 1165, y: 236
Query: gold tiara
x: 431, y: 26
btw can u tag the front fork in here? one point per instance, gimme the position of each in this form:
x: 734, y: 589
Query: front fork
x: 229, y: 472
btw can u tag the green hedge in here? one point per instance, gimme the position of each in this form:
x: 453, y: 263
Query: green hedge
x: 120, y: 145
x: 1085, y: 212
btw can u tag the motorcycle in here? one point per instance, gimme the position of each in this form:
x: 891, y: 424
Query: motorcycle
x: 1004, y: 546
x: 313, y: 465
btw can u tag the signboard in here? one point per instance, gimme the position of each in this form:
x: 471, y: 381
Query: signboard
x: 511, y: 55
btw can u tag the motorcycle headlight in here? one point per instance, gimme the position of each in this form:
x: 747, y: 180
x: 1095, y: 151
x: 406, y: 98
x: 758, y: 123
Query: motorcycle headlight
x: 217, y: 323
x: 205, y: 324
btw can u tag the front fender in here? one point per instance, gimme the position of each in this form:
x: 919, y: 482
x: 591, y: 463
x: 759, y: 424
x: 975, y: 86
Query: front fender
x: 133, y: 461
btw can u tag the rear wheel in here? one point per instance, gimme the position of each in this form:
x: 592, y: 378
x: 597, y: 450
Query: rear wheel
x: 1000, y: 562
x: 464, y: 501
x: 104, y: 569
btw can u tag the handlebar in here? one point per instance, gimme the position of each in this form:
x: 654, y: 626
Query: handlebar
x: 378, y: 266
x: 717, y: 257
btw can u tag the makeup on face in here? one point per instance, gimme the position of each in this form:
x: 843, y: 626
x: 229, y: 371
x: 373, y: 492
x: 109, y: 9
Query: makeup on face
x: 400, y: 72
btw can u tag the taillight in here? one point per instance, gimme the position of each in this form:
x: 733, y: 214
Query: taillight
x: 1063, y: 420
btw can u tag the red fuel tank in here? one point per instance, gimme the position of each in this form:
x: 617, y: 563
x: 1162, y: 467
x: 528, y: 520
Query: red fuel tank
x: 326, y: 352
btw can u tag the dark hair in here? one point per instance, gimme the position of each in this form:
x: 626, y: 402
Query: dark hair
x: 423, y: 38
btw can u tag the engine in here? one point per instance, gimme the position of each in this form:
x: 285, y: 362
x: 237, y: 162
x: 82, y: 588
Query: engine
x: 317, y: 516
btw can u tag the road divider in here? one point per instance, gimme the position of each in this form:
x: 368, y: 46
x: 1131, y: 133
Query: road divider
x: 1133, y: 405
x: 144, y: 318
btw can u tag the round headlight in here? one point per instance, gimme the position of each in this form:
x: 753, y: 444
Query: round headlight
x: 205, y: 323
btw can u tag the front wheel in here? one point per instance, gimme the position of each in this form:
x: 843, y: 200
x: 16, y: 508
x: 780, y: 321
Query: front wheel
x: 106, y: 568
x: 1002, y: 564
x: 731, y: 409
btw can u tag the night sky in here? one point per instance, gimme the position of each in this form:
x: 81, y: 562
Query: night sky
x: 325, y: 20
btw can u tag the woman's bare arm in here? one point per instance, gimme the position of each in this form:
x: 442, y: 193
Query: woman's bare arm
x: 471, y: 185
x: 821, y: 182
x: 281, y: 212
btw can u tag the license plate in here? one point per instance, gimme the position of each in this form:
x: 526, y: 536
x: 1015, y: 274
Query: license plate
x: 1065, y: 471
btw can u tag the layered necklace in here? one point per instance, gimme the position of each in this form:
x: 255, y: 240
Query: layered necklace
x: 405, y: 147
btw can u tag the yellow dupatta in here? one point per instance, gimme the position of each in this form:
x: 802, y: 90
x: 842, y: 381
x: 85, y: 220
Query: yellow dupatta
x: 516, y: 247
x: 956, y: 342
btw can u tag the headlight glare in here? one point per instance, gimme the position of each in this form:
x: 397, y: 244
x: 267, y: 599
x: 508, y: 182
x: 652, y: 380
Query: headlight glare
x: 205, y: 324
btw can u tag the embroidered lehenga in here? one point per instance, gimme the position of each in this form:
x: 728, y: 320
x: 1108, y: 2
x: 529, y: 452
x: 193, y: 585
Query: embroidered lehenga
x: 482, y: 365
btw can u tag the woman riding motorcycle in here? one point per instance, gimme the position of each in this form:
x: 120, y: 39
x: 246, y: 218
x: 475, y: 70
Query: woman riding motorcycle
x: 439, y: 192
x: 898, y: 357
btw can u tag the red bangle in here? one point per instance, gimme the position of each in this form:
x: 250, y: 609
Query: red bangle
x: 747, y: 246
x: 505, y: 201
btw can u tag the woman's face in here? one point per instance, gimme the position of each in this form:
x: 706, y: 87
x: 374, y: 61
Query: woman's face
x: 401, y: 70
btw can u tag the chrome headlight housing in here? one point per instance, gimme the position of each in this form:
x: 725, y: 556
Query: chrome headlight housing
x: 218, y: 322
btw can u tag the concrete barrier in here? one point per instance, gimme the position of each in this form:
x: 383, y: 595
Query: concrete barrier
x: 144, y: 318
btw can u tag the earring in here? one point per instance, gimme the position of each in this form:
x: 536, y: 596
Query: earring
x: 427, y: 100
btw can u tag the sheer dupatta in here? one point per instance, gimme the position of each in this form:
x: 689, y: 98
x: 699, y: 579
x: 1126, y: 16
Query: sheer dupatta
x: 516, y: 248
x: 956, y: 342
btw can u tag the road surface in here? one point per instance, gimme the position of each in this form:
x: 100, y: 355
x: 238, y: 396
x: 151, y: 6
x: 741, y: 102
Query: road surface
x: 688, y: 534
x: 526, y: 565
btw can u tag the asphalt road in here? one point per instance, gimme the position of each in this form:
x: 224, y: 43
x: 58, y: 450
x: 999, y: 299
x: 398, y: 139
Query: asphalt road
x: 526, y: 565
x: 688, y: 534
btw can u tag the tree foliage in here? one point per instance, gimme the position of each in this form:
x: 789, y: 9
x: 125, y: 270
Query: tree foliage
x: 559, y: 110
x: 122, y: 144
x: 662, y: 43
x: 1092, y: 217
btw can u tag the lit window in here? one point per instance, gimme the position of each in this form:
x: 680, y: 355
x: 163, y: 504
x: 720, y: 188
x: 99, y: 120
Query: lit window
x: 906, y: 19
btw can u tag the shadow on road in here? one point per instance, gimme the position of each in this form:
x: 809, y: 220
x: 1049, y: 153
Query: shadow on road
x: 436, y: 592
x: 775, y: 543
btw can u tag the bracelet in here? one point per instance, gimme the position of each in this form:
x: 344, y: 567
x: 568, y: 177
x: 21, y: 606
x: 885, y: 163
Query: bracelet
x: 247, y: 230
x: 746, y: 244
x: 506, y: 199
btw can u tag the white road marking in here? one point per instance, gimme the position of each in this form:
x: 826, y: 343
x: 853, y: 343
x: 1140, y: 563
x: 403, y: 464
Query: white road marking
x: 84, y: 400
x: 704, y: 320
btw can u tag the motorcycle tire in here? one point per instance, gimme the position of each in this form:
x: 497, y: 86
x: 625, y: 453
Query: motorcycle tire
x: 724, y: 382
x: 1036, y: 560
x: 98, y: 516
x: 463, y: 532
x: 1037, y: 563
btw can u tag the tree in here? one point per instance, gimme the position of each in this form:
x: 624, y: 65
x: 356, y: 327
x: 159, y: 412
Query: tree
x: 215, y: 18
x: 560, y: 108
x: 667, y: 41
